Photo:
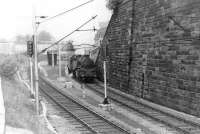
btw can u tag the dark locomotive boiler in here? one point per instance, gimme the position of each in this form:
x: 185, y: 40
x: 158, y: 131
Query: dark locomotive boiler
x: 82, y: 67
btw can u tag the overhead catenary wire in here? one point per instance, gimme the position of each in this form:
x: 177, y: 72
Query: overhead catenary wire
x: 85, y: 48
x: 86, y: 30
x: 85, y: 45
x: 80, y: 46
x: 50, y: 18
x: 68, y: 34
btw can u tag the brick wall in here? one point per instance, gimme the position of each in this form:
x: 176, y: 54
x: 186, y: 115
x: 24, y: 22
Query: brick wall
x: 160, y: 38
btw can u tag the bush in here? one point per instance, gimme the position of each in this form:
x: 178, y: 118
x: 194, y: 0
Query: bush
x: 8, y: 66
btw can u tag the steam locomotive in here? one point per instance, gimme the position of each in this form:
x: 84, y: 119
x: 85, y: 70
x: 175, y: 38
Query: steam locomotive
x: 82, y: 67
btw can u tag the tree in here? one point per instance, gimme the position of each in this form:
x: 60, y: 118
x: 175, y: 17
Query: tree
x: 8, y: 66
x: 22, y: 39
x: 112, y: 4
x: 19, y: 39
x: 27, y: 37
x: 45, y: 36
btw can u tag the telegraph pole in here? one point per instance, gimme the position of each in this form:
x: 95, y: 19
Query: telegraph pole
x: 36, y: 69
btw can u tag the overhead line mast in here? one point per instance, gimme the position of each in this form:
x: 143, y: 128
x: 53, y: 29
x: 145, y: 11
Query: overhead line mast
x: 35, y: 27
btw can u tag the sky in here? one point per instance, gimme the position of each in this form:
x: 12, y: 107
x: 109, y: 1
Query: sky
x: 17, y: 18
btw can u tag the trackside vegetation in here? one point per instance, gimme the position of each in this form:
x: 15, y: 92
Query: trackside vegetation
x: 19, y: 107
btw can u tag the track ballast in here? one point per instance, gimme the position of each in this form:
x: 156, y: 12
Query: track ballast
x: 95, y: 123
x: 179, y: 124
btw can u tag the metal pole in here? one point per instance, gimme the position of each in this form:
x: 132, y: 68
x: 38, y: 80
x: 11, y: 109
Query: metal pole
x: 31, y: 71
x: 36, y: 70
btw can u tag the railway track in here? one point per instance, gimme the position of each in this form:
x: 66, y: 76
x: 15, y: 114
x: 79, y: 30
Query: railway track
x: 179, y: 124
x: 90, y: 121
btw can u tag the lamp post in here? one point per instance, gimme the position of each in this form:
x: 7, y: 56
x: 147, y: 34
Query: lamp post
x: 36, y: 63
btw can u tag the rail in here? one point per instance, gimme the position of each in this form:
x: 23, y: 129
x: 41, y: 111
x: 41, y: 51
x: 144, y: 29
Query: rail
x: 93, y: 121
x: 177, y: 123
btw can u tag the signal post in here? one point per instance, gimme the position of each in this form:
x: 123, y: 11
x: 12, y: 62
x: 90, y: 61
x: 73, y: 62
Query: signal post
x: 30, y: 53
x: 106, y: 105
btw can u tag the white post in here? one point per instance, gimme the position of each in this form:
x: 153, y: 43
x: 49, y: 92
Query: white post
x: 105, y: 79
x: 31, y: 71
x: 105, y: 101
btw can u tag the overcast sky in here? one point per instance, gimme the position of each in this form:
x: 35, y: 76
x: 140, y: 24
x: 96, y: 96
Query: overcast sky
x: 16, y: 17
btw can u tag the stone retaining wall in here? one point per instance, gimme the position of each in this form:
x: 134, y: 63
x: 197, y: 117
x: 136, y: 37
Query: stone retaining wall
x: 153, y: 52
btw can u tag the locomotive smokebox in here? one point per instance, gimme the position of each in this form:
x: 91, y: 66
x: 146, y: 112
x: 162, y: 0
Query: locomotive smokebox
x: 82, y: 67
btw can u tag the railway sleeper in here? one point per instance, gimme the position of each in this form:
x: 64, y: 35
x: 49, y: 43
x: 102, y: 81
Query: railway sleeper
x: 109, y: 132
x: 69, y: 105
x: 86, y: 117
x: 100, y: 126
x: 93, y: 121
x: 73, y: 108
x: 81, y: 112
x: 91, y: 118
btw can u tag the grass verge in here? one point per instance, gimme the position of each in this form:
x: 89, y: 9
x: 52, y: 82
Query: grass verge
x: 20, y: 110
